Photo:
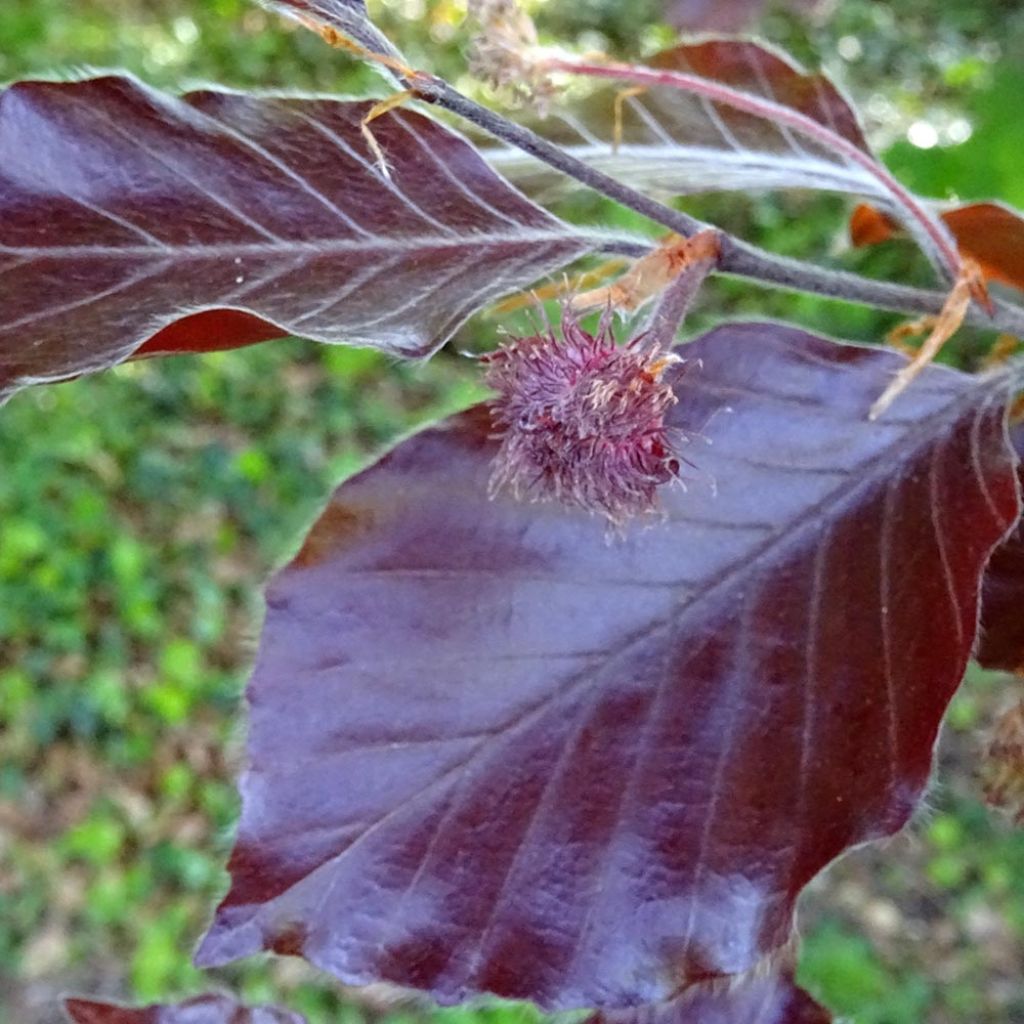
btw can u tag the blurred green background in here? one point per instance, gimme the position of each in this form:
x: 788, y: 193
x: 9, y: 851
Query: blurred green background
x: 141, y: 509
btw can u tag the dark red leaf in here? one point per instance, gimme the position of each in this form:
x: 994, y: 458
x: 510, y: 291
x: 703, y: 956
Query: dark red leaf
x: 1001, y: 637
x: 990, y: 233
x: 122, y: 212
x: 208, y: 1009
x: 493, y: 751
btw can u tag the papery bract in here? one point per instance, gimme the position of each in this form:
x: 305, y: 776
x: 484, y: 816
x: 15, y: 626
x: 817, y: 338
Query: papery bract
x: 1003, y: 767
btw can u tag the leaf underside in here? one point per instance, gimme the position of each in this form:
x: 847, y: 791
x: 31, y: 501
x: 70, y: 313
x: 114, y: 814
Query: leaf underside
x: 124, y: 212
x: 347, y: 16
x: 493, y: 751
x: 208, y: 1009
x: 675, y: 143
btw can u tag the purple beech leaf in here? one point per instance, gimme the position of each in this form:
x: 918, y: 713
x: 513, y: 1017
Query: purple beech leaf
x: 1001, y: 636
x: 208, y: 1009
x: 735, y: 114
x: 123, y: 212
x: 492, y: 750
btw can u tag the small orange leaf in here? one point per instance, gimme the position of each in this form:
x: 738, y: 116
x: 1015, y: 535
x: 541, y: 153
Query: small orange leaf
x: 869, y: 226
x: 989, y: 233
x: 993, y: 236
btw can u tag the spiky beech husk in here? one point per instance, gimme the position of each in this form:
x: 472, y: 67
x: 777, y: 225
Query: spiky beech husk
x: 582, y: 420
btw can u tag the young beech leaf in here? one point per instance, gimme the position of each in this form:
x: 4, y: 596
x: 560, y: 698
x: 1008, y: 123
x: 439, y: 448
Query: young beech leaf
x: 1001, y: 636
x: 135, y: 222
x: 491, y: 751
x: 744, y: 114
x: 208, y: 1009
x: 670, y: 141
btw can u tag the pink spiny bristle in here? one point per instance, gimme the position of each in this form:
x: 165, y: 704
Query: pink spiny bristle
x: 582, y: 420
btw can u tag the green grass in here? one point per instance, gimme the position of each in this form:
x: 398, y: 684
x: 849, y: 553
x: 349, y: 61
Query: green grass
x: 141, y: 509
